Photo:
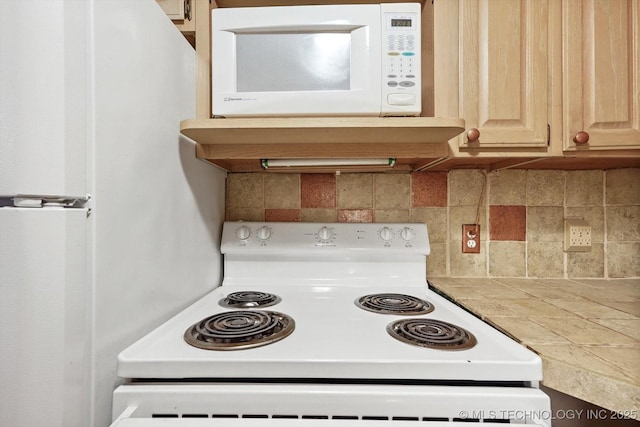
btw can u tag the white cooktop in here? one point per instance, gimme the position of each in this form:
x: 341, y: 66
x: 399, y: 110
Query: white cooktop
x: 333, y: 338
x: 319, y: 271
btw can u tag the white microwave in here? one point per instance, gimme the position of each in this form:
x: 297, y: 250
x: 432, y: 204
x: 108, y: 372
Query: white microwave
x: 321, y: 60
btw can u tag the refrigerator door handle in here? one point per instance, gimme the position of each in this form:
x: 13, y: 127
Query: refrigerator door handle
x: 39, y: 201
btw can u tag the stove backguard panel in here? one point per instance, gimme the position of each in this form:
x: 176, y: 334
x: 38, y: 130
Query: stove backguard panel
x: 332, y: 251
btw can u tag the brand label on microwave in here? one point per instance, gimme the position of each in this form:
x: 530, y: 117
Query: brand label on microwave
x: 232, y: 98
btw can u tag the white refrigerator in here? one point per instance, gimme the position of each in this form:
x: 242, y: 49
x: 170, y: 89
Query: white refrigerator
x: 109, y: 225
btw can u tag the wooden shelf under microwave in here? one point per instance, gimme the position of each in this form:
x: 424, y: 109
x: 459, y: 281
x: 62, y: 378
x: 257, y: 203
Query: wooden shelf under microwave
x: 252, y: 3
x: 238, y: 144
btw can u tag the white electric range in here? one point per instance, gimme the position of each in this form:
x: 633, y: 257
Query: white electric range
x: 318, y: 324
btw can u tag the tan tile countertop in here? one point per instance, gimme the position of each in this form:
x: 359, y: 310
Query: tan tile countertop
x: 587, y: 331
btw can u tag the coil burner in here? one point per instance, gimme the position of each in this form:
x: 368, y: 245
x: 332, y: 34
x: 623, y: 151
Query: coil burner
x: 394, y: 304
x: 432, y: 333
x: 249, y: 299
x: 236, y: 330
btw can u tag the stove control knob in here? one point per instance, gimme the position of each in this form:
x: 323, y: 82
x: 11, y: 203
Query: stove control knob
x: 264, y: 233
x: 386, y: 234
x: 243, y: 232
x: 407, y: 234
x: 325, y: 234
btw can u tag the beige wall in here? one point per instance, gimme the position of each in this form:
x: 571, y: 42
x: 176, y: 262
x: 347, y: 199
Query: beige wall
x: 521, y: 213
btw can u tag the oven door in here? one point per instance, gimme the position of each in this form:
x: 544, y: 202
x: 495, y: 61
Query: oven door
x: 326, y: 405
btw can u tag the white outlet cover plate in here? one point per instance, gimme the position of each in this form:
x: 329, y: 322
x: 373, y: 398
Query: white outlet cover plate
x: 577, y: 235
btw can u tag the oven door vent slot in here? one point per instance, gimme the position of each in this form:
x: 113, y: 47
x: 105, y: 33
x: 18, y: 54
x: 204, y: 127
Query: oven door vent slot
x: 335, y: 417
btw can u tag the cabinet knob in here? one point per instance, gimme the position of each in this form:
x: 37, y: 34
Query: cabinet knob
x: 473, y: 135
x: 581, y: 138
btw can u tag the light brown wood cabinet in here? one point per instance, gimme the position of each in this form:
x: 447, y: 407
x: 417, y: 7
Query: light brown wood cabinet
x: 173, y: 8
x: 491, y: 68
x: 600, y: 75
x: 539, y: 79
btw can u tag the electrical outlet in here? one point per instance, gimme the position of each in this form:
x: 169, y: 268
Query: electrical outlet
x: 577, y: 235
x: 470, y: 238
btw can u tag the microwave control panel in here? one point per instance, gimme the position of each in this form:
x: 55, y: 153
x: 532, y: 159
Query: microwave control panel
x: 401, y: 59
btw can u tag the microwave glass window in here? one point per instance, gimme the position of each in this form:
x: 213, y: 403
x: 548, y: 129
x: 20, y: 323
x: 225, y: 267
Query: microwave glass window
x: 276, y: 62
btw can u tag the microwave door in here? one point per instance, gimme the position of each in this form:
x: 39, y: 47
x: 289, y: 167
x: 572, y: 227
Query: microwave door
x: 311, y: 61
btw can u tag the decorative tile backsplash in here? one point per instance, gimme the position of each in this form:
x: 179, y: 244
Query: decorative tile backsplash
x: 521, y: 214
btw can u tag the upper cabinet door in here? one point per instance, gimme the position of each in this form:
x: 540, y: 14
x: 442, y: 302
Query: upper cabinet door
x: 173, y: 8
x: 497, y: 58
x: 601, y: 74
